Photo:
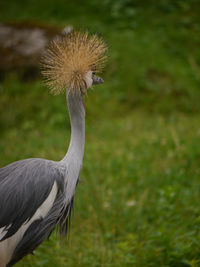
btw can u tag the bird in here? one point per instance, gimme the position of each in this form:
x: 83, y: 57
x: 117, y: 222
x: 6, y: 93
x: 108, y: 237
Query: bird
x: 37, y: 195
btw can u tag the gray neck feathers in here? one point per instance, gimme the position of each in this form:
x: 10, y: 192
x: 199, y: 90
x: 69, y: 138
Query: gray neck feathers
x: 73, y: 158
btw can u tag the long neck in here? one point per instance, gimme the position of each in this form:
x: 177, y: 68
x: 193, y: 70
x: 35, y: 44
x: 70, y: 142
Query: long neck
x: 75, y: 151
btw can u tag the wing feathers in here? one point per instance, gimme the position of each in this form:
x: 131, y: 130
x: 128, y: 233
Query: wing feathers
x: 24, y: 186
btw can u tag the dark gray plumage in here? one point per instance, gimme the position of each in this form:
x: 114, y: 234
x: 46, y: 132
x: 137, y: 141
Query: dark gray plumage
x: 30, y: 177
x: 36, y: 177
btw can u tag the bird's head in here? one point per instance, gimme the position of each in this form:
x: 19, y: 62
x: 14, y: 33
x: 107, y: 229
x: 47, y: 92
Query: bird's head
x: 72, y: 63
x: 91, y: 79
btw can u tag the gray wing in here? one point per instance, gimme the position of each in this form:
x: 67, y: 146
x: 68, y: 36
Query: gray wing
x: 24, y: 185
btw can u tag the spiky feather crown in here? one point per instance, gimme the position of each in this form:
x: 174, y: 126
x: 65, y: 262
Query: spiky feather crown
x: 68, y: 60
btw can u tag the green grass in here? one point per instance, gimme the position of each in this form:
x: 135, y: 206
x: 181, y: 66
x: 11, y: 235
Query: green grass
x: 137, y: 203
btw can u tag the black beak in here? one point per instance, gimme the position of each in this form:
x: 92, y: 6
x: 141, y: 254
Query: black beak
x: 97, y: 80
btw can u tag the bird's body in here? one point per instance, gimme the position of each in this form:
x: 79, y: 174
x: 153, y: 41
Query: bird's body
x: 36, y: 195
x: 43, y: 196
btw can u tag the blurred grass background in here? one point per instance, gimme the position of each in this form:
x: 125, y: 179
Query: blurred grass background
x: 138, y: 200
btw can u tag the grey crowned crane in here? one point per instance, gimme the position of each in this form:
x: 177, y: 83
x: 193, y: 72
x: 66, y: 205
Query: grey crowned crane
x: 37, y: 195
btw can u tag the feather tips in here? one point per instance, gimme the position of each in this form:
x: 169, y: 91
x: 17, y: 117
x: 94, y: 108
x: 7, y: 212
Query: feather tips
x: 68, y: 60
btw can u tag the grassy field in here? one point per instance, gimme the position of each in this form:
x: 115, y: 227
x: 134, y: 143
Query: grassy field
x: 137, y: 203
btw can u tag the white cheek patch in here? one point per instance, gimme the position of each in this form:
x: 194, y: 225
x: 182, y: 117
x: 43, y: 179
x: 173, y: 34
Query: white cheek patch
x: 88, y: 79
